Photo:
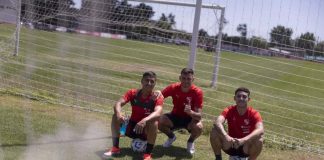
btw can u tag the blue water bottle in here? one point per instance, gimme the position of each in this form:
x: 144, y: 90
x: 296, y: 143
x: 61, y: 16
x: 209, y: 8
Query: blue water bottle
x: 123, y: 127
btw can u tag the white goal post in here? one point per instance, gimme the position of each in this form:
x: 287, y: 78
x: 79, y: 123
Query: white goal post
x: 198, y: 6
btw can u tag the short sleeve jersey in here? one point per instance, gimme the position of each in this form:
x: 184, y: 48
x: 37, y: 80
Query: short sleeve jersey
x: 140, y: 111
x: 241, y: 126
x: 179, y: 98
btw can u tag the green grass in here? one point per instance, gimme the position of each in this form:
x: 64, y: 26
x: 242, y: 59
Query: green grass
x: 89, y: 72
x: 32, y: 129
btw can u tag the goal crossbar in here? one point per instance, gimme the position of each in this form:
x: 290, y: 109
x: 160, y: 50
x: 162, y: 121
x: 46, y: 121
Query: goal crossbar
x: 210, y: 6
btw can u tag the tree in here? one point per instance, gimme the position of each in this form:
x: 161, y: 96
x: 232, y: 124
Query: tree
x: 202, y: 33
x: 242, y: 29
x: 143, y: 12
x: 166, y: 22
x: 171, y: 19
x: 281, y: 36
x: 258, y: 42
x: 306, y: 41
x: 319, y: 49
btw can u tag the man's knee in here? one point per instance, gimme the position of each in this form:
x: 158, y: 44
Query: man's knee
x: 197, y: 127
x: 151, y: 128
x: 163, y: 121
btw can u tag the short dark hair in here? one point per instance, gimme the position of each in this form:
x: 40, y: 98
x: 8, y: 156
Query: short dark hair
x: 242, y: 89
x: 149, y: 74
x: 186, y: 71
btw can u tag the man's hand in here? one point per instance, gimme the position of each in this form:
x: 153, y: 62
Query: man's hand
x: 187, y: 109
x: 139, y: 128
x: 157, y: 94
x: 121, y: 118
x: 238, y: 142
x: 231, y: 140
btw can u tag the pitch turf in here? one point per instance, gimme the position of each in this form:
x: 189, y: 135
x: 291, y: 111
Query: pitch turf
x: 90, y: 72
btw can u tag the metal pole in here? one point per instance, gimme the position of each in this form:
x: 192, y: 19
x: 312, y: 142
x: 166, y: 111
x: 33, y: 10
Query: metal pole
x: 218, y: 50
x: 18, y: 9
x: 194, y: 38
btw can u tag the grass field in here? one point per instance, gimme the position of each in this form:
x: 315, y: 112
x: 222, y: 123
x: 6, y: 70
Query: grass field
x: 55, y: 70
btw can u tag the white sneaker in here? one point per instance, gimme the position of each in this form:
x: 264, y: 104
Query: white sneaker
x: 169, y: 142
x: 191, y: 148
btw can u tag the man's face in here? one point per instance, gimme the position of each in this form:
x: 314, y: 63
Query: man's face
x: 241, y: 98
x: 148, y: 83
x: 186, y: 80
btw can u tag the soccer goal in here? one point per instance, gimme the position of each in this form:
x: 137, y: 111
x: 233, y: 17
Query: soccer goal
x: 87, y: 53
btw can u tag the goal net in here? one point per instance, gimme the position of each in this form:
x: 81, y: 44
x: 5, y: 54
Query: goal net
x: 88, y: 53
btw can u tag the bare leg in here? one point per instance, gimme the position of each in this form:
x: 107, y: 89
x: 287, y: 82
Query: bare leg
x: 218, y: 142
x: 151, y: 129
x: 254, y: 148
x: 196, y: 129
x: 115, y: 126
x: 165, y: 125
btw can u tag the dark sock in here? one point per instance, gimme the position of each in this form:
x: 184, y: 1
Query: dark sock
x: 116, y: 142
x: 218, y: 157
x: 190, y: 140
x: 149, y: 148
x: 171, y: 135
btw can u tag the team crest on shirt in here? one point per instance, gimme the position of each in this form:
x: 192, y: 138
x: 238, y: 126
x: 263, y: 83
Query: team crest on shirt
x: 246, y: 121
x: 189, y: 99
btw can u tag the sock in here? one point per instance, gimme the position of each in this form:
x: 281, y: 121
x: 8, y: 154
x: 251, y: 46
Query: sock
x: 190, y: 140
x: 218, y: 157
x: 149, y: 148
x: 116, y: 142
x: 171, y: 135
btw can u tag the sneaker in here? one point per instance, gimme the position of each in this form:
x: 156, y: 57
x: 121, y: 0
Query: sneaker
x: 191, y: 148
x: 169, y: 142
x: 113, y: 151
x: 147, y: 157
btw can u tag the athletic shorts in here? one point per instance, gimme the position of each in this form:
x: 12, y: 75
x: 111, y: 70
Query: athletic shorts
x: 236, y: 152
x: 178, y: 122
x: 130, y: 131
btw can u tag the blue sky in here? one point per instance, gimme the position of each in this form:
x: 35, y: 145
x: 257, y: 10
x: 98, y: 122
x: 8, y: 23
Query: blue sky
x: 259, y: 15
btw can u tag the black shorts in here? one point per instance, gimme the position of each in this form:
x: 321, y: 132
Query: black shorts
x: 178, y: 122
x: 130, y: 131
x: 236, y: 152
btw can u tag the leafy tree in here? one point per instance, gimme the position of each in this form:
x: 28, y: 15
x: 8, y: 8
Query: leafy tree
x: 258, y: 42
x: 202, y: 33
x: 281, y: 36
x: 306, y: 41
x: 242, y: 29
x: 319, y: 49
x: 171, y: 19
x: 166, y: 22
x: 40, y: 10
x: 143, y: 12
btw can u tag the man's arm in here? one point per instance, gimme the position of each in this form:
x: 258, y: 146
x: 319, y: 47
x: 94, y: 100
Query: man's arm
x: 117, y: 109
x: 218, y: 124
x: 255, y: 134
x: 139, y: 128
x: 196, y: 115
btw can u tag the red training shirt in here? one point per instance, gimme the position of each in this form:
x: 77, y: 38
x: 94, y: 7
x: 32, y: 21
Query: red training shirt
x: 241, y: 126
x: 179, y: 98
x: 138, y: 112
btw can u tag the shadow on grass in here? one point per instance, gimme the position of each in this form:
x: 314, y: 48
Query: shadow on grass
x: 158, y: 152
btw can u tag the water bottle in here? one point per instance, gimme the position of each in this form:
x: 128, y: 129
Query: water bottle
x: 123, y: 127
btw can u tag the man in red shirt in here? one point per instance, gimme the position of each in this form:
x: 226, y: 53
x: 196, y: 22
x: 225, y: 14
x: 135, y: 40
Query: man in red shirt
x: 143, y: 122
x: 245, y: 129
x: 187, y: 102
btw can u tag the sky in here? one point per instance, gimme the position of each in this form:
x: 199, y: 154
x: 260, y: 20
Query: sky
x: 260, y: 16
